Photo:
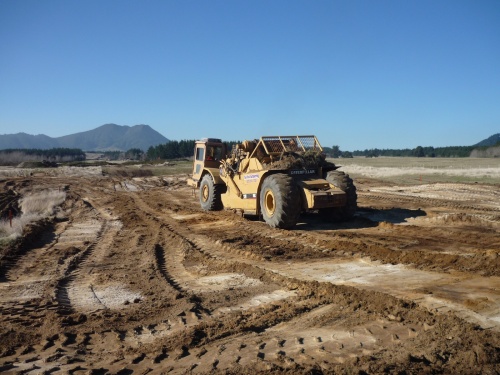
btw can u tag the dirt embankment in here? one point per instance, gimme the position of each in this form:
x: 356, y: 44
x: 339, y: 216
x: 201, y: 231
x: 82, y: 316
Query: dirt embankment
x: 137, y: 279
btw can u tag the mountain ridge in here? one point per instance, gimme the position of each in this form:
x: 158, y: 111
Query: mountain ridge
x: 490, y: 141
x: 107, y: 137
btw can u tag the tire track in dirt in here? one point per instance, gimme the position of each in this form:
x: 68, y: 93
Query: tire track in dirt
x: 172, y: 259
x: 227, y: 252
x: 81, y: 289
x: 167, y: 254
x: 172, y: 256
x: 220, y: 253
x: 429, y: 202
x: 186, y: 241
x: 197, y: 315
x: 261, y: 241
x: 169, y: 249
x: 455, y: 196
x: 92, y: 254
x: 169, y: 327
x: 32, y: 261
x: 161, y: 263
x: 440, y: 303
x: 31, y: 277
x: 64, y: 287
x: 341, y: 243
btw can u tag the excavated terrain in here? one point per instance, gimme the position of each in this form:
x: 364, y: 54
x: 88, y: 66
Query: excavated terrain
x: 131, y: 277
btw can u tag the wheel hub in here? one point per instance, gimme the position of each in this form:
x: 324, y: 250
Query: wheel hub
x: 205, y: 193
x: 269, y: 202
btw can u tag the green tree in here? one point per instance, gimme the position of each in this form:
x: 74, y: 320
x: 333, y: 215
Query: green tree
x: 134, y: 154
x: 336, y: 153
x: 419, y: 152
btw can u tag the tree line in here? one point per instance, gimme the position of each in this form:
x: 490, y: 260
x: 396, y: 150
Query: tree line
x: 171, y: 150
x: 131, y: 154
x: 184, y: 149
x: 177, y: 149
x: 335, y: 152
x: 419, y: 151
x: 16, y: 156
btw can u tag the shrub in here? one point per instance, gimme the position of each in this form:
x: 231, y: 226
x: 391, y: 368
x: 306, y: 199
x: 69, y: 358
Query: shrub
x: 34, y: 207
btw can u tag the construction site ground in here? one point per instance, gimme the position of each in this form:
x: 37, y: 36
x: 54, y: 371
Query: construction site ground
x: 132, y: 277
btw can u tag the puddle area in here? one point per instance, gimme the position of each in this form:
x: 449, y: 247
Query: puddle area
x: 473, y: 298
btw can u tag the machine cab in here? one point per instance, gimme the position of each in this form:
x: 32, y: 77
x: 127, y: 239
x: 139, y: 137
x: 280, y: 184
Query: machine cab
x: 208, y: 152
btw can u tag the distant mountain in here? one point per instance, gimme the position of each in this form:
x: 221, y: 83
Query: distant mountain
x: 23, y: 140
x: 490, y: 141
x: 107, y: 137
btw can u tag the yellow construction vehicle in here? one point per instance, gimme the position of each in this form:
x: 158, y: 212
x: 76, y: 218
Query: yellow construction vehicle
x: 277, y: 177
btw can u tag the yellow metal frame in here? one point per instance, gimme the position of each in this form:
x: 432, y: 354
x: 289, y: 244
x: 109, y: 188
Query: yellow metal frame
x: 276, y: 145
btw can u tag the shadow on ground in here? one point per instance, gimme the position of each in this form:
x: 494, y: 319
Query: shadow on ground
x: 365, y: 217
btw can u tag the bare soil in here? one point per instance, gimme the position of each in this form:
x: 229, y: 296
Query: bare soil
x: 132, y: 277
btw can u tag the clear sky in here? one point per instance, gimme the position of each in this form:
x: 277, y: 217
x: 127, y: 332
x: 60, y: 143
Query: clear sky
x: 358, y: 74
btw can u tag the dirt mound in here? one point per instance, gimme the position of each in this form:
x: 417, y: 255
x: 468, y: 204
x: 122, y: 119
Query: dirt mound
x: 293, y: 160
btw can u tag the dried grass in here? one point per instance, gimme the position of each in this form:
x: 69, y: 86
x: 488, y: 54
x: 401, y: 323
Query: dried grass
x: 34, y: 207
x: 42, y: 203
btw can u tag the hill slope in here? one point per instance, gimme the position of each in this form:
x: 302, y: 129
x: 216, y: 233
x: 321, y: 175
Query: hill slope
x: 104, y: 138
x: 23, y: 140
x: 490, y: 141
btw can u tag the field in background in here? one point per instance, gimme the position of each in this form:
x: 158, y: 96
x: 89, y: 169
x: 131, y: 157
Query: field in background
x: 403, y: 170
x: 144, y: 170
x: 409, y: 171
x: 112, y: 170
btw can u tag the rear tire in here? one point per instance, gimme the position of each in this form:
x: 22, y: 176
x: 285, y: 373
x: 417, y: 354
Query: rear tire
x: 344, y: 183
x: 210, y: 193
x: 280, y: 201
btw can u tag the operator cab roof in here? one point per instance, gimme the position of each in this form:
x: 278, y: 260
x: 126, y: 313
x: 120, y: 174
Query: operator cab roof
x: 210, y: 140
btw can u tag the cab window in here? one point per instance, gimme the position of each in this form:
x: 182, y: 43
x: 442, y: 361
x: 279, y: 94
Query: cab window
x: 199, y: 154
x: 214, y: 153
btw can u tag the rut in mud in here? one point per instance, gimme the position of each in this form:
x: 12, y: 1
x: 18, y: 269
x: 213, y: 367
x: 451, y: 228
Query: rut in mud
x: 132, y: 277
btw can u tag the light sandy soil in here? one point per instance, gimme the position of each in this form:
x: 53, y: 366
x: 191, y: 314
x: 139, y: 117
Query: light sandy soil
x: 131, y: 277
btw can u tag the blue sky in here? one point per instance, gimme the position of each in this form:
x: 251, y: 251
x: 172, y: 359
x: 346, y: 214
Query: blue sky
x: 358, y: 74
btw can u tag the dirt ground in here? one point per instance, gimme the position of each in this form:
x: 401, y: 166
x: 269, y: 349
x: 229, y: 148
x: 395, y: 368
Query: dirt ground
x: 131, y: 277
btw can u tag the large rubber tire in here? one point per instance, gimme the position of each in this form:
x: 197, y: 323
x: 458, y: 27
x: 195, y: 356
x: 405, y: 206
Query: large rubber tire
x: 344, y: 183
x: 210, y: 193
x: 280, y: 201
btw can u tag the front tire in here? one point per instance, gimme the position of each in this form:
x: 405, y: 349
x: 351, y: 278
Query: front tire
x: 280, y: 201
x: 210, y: 194
x: 343, y: 182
